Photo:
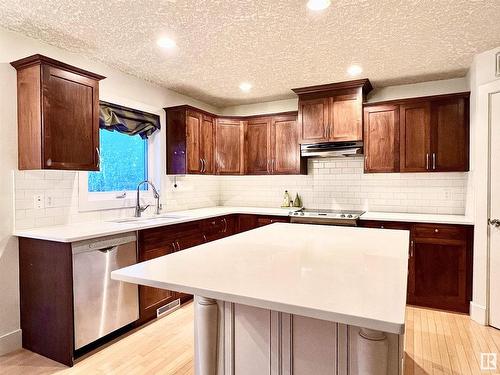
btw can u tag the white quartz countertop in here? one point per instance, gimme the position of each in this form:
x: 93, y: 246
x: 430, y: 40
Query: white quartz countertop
x: 349, y: 275
x: 418, y: 218
x: 87, y: 230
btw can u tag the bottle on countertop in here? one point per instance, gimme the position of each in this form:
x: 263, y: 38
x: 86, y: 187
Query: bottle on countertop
x: 286, y: 199
x: 297, y: 202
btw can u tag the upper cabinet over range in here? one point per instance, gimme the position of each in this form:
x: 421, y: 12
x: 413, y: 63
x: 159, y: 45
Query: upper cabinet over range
x: 426, y: 134
x: 58, y: 115
x: 333, y: 112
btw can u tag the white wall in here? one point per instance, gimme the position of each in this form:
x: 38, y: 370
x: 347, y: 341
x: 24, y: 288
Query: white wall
x: 379, y: 94
x: 118, y: 88
x: 482, y: 73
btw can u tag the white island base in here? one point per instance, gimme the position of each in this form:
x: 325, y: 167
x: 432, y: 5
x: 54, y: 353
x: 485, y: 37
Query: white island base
x: 236, y: 339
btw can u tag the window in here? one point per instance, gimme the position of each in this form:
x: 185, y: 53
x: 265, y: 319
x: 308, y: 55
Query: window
x: 124, y: 163
x: 129, y: 153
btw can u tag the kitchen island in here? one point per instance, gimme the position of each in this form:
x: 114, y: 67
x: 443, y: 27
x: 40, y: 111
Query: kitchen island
x: 292, y: 298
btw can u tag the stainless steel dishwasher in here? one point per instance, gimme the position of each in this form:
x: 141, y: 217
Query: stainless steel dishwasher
x: 102, y: 305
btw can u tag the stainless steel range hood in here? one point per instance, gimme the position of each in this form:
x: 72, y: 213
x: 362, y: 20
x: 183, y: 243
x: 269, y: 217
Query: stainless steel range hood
x: 331, y: 149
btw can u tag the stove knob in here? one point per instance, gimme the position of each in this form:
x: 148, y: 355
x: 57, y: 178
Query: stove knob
x: 342, y: 215
x: 349, y: 216
x: 295, y: 213
x: 301, y: 214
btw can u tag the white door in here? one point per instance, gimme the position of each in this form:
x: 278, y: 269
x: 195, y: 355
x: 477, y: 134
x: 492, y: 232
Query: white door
x: 494, y: 208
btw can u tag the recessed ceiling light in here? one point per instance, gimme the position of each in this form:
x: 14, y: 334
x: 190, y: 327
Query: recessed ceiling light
x: 166, y: 42
x: 245, y: 86
x: 354, y: 70
x: 318, y: 4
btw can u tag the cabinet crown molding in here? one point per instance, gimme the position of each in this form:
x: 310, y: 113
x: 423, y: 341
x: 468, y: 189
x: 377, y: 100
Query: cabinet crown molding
x: 364, y: 84
x: 41, y: 59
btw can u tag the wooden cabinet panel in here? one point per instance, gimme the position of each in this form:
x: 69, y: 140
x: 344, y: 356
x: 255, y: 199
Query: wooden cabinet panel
x: 313, y: 117
x: 285, y: 146
x: 229, y: 143
x: 150, y: 298
x: 218, y: 227
x: 381, y: 133
x: 442, y: 267
x: 193, y: 138
x: 346, y: 118
x: 415, y: 131
x: 258, y: 146
x: 207, y: 144
x: 450, y: 141
x: 58, y: 115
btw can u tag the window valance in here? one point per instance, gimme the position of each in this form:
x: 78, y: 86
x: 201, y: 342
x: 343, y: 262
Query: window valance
x: 127, y: 120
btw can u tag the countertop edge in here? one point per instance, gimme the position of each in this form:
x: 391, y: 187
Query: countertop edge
x: 389, y: 327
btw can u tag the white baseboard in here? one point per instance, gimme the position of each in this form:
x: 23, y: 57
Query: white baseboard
x: 10, y: 342
x: 478, y: 313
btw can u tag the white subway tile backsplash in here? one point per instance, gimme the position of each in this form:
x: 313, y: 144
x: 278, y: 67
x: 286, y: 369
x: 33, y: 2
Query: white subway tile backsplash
x: 330, y: 184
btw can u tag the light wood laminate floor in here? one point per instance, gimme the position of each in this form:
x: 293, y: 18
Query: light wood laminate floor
x: 436, y: 343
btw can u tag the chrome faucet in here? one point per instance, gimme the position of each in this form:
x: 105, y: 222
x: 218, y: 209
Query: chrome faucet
x: 138, y: 208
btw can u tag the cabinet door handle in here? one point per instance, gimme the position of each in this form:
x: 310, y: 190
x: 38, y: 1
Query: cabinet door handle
x: 433, y: 160
x: 98, y: 157
x: 427, y: 161
x: 225, y: 225
x: 494, y: 222
x: 412, y: 247
x: 178, y: 246
x: 175, y: 247
x: 201, y: 165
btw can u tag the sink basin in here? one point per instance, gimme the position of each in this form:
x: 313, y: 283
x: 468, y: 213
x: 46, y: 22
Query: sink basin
x: 146, y: 218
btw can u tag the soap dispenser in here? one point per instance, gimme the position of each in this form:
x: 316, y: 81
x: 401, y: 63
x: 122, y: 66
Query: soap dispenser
x: 286, y: 200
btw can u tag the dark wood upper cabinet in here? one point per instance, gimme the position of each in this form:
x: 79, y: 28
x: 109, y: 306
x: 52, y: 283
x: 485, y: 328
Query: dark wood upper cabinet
x: 332, y: 112
x: 381, y: 128
x: 414, y: 137
x: 207, y: 143
x: 189, y: 141
x: 258, y: 157
x: 58, y: 115
x: 450, y: 138
x: 229, y: 145
x: 433, y: 134
x: 314, y: 120
x: 285, y: 146
x: 346, y: 118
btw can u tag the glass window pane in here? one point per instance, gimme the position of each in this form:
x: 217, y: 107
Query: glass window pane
x: 123, y: 163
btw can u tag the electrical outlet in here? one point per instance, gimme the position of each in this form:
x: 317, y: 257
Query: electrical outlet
x: 39, y: 201
x: 447, y: 194
x: 49, y: 201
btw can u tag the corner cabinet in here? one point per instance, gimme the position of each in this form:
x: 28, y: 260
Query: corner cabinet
x: 332, y: 112
x: 431, y: 134
x: 58, y: 115
x: 229, y: 146
x: 190, y: 138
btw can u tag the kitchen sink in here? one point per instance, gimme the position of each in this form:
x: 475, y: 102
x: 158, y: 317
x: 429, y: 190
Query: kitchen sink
x: 146, y: 219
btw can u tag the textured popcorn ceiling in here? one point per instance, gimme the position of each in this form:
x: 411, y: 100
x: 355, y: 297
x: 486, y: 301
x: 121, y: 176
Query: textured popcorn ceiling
x: 275, y: 45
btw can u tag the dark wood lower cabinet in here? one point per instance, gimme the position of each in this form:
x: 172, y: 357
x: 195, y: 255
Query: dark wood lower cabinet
x: 249, y: 221
x: 439, y: 264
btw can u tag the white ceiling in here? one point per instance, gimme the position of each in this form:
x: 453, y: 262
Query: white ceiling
x: 275, y: 45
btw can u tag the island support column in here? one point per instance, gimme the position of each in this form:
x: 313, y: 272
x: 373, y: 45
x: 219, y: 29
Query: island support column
x: 206, y: 330
x: 373, y: 352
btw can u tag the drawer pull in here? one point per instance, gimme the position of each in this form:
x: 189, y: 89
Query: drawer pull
x: 436, y: 230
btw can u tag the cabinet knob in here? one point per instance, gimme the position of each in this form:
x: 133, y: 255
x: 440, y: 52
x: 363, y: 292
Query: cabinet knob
x: 436, y: 230
x: 381, y: 227
x: 49, y: 162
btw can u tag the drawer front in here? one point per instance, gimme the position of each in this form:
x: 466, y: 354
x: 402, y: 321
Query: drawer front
x: 164, y: 236
x: 384, y: 224
x: 439, y: 231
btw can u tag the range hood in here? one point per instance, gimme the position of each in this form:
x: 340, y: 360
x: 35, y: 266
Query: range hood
x: 331, y: 149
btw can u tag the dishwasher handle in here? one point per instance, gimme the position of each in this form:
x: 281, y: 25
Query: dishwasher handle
x: 108, y: 249
x: 103, y: 244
